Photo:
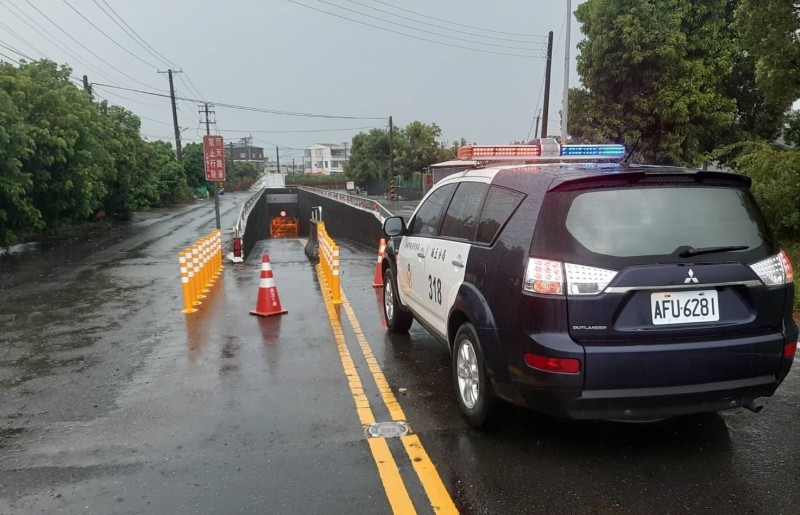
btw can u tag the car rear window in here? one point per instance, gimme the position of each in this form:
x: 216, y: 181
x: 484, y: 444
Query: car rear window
x: 626, y: 223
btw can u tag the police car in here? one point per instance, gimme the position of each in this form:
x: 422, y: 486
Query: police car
x: 565, y: 280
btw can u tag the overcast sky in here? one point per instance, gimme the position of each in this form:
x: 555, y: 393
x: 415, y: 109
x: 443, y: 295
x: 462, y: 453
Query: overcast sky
x: 280, y: 55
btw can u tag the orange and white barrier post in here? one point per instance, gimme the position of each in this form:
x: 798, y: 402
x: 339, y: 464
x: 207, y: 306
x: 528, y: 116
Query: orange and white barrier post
x: 329, y: 259
x: 201, y: 266
x: 187, y: 288
x: 378, y: 281
x: 269, y: 303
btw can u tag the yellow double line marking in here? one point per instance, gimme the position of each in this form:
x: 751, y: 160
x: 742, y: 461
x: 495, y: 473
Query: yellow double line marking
x: 388, y: 470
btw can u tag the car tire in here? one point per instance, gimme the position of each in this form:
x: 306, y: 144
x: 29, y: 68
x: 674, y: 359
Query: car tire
x: 397, y: 320
x: 474, y: 392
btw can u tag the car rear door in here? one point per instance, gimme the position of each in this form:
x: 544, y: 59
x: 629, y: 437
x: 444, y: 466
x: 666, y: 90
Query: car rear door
x: 662, y: 285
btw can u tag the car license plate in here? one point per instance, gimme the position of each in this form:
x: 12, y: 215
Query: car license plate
x: 684, y: 307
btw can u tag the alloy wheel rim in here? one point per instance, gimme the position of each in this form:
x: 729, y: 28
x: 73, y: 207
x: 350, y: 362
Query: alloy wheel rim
x: 467, y: 372
x: 388, y: 306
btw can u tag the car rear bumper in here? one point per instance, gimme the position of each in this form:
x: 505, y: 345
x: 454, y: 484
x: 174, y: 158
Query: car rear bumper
x: 640, y: 403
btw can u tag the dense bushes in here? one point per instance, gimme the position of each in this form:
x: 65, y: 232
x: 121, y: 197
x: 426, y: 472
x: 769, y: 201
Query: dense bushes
x: 64, y: 157
x: 776, y: 186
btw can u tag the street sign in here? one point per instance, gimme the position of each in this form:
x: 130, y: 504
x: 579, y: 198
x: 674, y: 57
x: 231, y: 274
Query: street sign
x: 214, y: 153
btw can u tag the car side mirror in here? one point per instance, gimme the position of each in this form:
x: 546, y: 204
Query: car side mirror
x: 394, y: 226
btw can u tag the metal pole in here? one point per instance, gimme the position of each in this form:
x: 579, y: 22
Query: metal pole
x: 546, y: 109
x: 565, y: 105
x: 278, y: 158
x: 216, y: 183
x: 391, y: 149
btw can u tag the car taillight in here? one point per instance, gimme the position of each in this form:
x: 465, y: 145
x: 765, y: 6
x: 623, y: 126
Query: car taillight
x: 554, y: 365
x: 775, y: 270
x: 548, y: 277
x: 587, y: 280
x: 544, y: 276
x: 790, y: 350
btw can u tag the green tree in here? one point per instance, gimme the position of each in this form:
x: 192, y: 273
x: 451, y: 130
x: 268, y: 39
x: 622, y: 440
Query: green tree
x: 17, y: 212
x: 419, y: 149
x: 775, y: 186
x: 368, y: 158
x: 194, y: 165
x: 769, y: 31
x: 655, y: 71
x: 415, y: 148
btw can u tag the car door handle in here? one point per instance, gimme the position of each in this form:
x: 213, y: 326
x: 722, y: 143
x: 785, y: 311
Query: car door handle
x: 421, y: 255
x: 457, y: 263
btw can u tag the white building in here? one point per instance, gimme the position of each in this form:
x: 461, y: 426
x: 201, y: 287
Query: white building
x: 324, y: 158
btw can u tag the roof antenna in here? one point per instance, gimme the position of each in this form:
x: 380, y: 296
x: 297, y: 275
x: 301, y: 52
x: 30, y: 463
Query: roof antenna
x: 633, y: 149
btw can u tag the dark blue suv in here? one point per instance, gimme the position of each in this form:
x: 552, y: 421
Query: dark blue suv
x: 590, y: 289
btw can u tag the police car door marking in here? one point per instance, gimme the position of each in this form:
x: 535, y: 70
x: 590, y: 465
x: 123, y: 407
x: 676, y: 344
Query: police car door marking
x: 435, y: 289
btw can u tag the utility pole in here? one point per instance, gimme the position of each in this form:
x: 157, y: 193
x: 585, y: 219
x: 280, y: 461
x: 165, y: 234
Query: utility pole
x: 565, y: 105
x: 86, y: 86
x: 216, y: 183
x: 344, y: 165
x: 538, y: 117
x: 293, y: 170
x: 178, y: 150
x: 391, y: 149
x: 546, y: 111
x: 278, y: 158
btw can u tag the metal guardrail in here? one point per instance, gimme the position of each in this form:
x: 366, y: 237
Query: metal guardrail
x: 241, y: 223
x: 362, y: 203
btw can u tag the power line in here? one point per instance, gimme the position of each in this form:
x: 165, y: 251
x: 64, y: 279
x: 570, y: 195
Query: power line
x: 21, y: 39
x: 433, y: 24
x: 458, y: 24
x: 304, y: 131
x: 167, y: 61
x: 130, y: 32
x: 409, y: 35
x: 101, y: 31
x: 245, y: 108
x: 419, y: 30
x: 57, y: 43
x: 134, y: 79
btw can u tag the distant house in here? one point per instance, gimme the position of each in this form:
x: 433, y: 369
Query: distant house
x: 324, y: 158
x: 245, y: 152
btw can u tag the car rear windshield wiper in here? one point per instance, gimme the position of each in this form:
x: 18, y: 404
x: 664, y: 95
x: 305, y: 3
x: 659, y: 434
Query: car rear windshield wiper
x: 691, y: 251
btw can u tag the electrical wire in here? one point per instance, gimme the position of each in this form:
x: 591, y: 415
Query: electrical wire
x: 458, y: 24
x: 101, y: 31
x: 304, y: 131
x: 439, y: 26
x: 21, y: 39
x: 417, y: 29
x: 134, y: 79
x: 536, y: 110
x: 410, y: 35
x: 57, y: 43
x: 246, y: 108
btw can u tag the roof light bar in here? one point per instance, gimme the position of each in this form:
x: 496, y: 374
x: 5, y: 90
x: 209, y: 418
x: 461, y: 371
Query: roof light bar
x: 540, y: 150
x: 593, y: 150
x: 499, y: 152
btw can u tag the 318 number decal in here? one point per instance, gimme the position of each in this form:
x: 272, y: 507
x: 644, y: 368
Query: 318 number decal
x: 435, y: 289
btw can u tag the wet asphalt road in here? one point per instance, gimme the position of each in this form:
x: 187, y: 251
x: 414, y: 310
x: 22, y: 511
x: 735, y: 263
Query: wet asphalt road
x: 111, y: 401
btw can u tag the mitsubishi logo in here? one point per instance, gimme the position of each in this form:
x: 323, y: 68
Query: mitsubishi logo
x: 691, y: 279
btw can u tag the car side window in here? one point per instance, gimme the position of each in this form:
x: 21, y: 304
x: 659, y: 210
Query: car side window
x: 461, y: 219
x: 498, y: 208
x: 429, y: 213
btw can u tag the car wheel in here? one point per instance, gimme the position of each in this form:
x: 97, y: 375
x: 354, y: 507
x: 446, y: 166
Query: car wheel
x: 397, y: 320
x: 474, y: 391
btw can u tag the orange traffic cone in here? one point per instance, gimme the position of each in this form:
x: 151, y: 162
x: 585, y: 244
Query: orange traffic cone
x: 378, y: 281
x: 268, y: 301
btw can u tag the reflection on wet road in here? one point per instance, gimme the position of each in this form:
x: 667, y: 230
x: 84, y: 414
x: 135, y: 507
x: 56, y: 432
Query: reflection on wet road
x: 111, y: 401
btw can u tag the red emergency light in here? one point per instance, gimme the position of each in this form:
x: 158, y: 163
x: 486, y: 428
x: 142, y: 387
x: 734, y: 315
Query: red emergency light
x: 499, y: 152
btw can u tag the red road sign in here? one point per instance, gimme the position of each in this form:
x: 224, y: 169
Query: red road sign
x: 214, y: 151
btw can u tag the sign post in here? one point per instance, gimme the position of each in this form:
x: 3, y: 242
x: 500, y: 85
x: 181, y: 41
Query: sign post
x: 214, y: 153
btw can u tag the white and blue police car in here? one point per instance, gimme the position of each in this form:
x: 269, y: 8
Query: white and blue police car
x: 565, y: 280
